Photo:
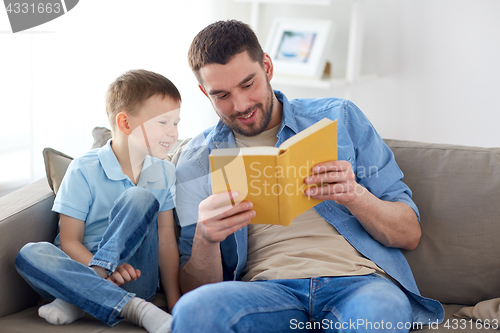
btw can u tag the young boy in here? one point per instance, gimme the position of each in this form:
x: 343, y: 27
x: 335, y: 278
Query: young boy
x: 116, y: 220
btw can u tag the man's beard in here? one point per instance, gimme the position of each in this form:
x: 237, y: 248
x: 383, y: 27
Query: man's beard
x: 254, y: 128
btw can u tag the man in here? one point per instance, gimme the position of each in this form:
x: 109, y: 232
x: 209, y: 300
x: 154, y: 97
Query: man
x: 337, y: 267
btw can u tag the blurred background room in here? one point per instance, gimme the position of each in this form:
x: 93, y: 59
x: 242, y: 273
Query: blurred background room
x: 421, y: 70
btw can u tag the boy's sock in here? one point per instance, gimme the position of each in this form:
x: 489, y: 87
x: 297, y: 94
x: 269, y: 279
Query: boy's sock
x: 147, y: 315
x: 60, y: 312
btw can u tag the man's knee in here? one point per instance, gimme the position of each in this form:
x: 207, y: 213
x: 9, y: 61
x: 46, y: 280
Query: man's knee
x: 196, y: 308
x: 198, y: 299
x: 378, y: 303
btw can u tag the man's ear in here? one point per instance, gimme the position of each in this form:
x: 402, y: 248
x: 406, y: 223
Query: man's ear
x: 268, y: 66
x: 203, y: 90
x: 122, y: 123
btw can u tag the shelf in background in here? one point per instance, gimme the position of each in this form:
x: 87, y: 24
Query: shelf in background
x: 299, y: 81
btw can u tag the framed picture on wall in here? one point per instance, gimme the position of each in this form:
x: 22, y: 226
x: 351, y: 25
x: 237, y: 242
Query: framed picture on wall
x: 297, y: 46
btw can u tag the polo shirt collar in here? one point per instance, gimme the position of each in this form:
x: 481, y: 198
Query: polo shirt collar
x: 110, y: 163
x: 151, y: 169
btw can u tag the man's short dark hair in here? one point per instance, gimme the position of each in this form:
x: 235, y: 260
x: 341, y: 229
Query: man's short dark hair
x: 219, y: 42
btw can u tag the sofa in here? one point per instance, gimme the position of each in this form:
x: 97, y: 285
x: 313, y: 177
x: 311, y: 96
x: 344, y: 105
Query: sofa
x: 457, y: 262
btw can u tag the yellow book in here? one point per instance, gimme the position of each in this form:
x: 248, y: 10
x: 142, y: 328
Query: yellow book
x: 272, y: 178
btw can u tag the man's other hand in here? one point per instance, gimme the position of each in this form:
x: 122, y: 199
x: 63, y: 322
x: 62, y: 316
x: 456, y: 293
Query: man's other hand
x: 217, y: 218
x: 333, y: 180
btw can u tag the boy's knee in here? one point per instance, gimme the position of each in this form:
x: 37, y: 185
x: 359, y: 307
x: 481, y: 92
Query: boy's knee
x: 32, y: 252
x: 138, y: 196
x: 33, y: 249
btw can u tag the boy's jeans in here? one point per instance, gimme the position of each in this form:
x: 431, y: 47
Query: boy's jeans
x: 367, y: 303
x: 132, y: 237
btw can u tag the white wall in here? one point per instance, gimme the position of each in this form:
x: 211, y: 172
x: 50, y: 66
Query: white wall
x: 54, y: 76
x: 438, y: 63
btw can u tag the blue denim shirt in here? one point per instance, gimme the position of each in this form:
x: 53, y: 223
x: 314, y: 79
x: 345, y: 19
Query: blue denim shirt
x: 358, y: 142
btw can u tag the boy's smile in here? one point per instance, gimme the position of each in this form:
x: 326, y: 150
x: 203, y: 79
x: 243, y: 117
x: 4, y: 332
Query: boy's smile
x: 154, y: 128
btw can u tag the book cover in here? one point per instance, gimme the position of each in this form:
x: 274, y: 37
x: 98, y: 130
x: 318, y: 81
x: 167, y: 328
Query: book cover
x: 272, y: 178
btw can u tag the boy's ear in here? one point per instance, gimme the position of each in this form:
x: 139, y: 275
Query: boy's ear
x: 122, y: 123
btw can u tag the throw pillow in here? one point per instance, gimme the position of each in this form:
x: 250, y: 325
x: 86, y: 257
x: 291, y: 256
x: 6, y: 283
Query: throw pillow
x: 56, y: 164
x: 101, y: 136
x: 485, y: 311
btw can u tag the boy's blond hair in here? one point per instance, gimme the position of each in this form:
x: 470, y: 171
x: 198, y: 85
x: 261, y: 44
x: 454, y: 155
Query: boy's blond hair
x: 129, y: 92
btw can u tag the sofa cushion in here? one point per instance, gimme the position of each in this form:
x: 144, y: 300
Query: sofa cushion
x: 453, y: 324
x: 101, y: 136
x: 457, y: 190
x: 25, y: 216
x: 29, y: 321
x: 56, y: 164
x: 485, y: 311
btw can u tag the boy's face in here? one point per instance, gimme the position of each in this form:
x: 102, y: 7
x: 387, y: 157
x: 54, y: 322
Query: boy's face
x: 154, y: 127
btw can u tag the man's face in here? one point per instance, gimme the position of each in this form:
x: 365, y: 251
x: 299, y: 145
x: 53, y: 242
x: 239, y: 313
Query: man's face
x: 241, y: 94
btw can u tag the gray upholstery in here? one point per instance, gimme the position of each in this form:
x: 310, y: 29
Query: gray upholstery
x: 25, y: 216
x: 457, y: 190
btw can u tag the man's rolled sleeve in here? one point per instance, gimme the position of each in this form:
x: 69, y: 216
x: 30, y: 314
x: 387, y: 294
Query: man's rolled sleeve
x: 186, y: 243
x: 376, y: 167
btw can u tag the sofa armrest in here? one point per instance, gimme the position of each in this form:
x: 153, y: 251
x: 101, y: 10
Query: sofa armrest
x: 25, y: 216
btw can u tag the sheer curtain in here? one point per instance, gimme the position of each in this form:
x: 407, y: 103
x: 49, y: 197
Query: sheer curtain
x: 54, y: 76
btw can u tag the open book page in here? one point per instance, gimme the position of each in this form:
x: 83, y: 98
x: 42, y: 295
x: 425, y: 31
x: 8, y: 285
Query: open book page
x: 273, y: 178
x: 318, y: 145
x: 253, y: 177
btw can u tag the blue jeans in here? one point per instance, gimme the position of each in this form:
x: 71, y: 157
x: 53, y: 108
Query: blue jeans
x: 367, y: 303
x: 131, y: 237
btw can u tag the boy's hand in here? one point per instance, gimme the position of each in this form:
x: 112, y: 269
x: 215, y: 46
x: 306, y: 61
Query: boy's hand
x: 124, y: 274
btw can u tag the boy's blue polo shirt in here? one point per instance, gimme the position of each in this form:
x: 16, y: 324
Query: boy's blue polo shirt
x: 94, y: 181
